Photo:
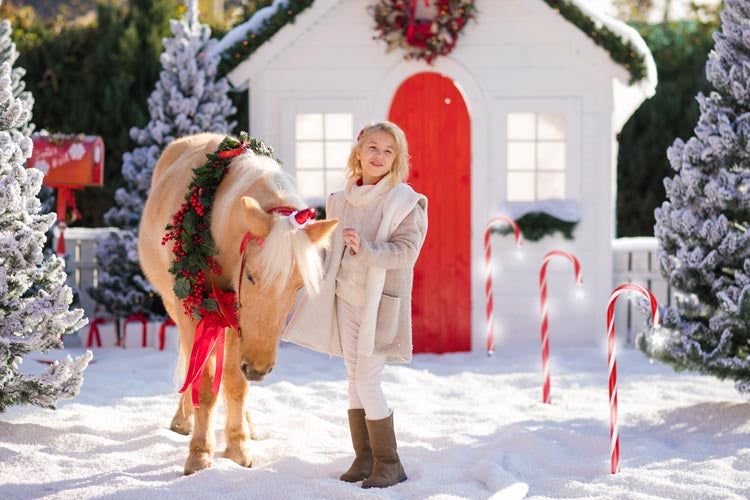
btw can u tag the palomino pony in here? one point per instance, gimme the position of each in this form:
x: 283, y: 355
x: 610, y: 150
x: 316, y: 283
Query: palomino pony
x: 278, y: 260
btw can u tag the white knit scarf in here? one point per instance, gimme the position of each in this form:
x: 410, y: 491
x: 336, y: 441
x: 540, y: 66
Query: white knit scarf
x: 365, y: 194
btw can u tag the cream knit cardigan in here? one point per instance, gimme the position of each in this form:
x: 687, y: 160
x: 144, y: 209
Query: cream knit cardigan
x: 386, y: 322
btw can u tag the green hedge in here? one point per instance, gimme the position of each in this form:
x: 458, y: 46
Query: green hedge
x: 96, y: 79
x: 680, y: 51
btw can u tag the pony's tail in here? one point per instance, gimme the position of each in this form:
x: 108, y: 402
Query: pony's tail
x: 180, y: 370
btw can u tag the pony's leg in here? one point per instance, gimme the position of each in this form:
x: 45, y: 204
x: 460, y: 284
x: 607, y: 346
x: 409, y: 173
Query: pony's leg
x: 202, y: 443
x: 182, y: 422
x: 250, y: 425
x: 234, y: 385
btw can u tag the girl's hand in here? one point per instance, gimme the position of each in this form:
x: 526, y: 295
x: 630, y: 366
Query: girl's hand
x: 351, y: 239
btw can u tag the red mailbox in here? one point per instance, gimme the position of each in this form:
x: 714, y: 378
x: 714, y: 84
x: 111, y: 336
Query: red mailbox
x: 68, y: 162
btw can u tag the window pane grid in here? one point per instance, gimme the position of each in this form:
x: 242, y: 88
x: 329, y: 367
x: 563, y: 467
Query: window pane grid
x: 323, y: 142
x: 536, y: 156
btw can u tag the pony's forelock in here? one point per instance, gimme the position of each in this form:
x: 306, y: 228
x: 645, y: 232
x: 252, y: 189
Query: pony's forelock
x: 286, y: 247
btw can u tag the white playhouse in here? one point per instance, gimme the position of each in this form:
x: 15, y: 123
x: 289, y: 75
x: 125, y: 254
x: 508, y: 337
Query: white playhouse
x: 519, y: 118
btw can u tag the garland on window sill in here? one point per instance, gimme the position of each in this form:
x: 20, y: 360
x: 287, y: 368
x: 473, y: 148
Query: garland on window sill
x: 536, y: 225
x: 190, y: 229
x: 621, y: 51
x: 241, y: 50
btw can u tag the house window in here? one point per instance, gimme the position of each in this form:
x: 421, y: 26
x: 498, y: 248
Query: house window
x: 322, y: 142
x: 536, y: 156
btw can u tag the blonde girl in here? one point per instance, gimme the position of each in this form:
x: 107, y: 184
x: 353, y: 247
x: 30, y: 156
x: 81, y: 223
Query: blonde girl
x: 363, y: 311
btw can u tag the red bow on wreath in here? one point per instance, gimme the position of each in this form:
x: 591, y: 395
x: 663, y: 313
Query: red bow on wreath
x: 418, y: 32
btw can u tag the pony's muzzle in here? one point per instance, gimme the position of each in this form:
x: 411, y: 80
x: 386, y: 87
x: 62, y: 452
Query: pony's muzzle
x: 252, y: 374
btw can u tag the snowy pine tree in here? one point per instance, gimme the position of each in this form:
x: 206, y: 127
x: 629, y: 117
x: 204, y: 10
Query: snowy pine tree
x: 34, y: 300
x: 704, y: 228
x: 188, y: 99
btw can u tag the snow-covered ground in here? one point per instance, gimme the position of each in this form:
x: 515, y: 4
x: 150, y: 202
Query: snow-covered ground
x: 468, y: 426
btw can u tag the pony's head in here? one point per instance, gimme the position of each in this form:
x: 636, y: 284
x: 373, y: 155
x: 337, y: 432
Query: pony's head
x: 280, y: 258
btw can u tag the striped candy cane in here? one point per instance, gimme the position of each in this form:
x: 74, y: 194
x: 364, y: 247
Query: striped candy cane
x: 488, y: 274
x: 543, y: 288
x: 614, y: 432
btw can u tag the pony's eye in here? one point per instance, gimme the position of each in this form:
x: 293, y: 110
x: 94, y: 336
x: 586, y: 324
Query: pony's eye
x: 250, y: 278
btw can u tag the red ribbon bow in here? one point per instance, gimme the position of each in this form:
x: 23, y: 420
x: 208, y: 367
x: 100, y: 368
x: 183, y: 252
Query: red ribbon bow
x: 303, y: 216
x: 230, y: 153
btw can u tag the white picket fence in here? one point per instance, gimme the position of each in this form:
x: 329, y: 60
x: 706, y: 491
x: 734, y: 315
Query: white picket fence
x: 81, y: 266
x: 634, y: 262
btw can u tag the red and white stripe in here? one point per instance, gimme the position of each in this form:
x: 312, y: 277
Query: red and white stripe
x: 545, y: 324
x: 488, y: 274
x: 614, y: 431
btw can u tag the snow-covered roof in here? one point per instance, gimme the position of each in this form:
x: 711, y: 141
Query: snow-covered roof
x: 628, y: 35
x: 239, y: 32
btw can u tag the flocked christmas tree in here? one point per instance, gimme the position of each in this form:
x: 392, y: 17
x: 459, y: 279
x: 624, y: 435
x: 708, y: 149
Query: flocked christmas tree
x: 188, y: 99
x: 34, y: 300
x: 704, y: 228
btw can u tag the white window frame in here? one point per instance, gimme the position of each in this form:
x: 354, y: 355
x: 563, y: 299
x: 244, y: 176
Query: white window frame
x: 570, y: 108
x: 290, y: 108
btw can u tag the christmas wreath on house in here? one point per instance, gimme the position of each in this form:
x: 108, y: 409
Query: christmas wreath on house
x: 397, y: 23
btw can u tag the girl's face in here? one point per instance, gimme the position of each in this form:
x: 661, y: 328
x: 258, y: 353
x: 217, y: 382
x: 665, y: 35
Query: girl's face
x: 376, y: 155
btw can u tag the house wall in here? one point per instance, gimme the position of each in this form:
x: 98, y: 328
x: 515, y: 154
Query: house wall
x: 518, y: 55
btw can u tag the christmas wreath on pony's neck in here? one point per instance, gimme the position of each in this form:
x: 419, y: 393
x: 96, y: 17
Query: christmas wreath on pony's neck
x: 193, y: 248
x: 396, y: 23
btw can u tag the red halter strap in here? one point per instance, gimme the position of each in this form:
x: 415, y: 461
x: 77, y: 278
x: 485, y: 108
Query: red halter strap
x: 301, y: 218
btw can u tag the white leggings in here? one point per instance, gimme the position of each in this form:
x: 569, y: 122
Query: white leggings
x: 363, y: 371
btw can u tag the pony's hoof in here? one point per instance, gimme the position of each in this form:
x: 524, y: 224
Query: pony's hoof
x: 181, y: 425
x: 196, y: 462
x: 239, y: 455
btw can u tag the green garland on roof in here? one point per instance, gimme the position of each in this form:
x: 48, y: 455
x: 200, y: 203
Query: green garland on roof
x: 241, y: 50
x: 621, y: 51
x: 536, y: 225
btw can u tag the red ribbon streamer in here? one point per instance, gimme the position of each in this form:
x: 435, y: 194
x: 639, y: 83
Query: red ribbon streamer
x: 210, y: 334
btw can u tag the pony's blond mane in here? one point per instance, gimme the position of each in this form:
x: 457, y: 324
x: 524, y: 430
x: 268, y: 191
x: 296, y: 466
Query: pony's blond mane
x: 285, y: 246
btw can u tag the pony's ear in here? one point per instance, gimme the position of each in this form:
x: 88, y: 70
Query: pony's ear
x: 257, y: 221
x: 319, y: 231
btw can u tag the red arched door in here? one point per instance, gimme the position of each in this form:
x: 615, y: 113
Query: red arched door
x: 432, y: 112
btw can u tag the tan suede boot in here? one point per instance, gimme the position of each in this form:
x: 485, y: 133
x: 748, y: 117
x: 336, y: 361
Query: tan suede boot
x: 362, y: 465
x: 388, y: 469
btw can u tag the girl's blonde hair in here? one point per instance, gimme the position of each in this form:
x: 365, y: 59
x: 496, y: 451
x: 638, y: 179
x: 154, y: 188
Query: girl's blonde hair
x: 400, y: 167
